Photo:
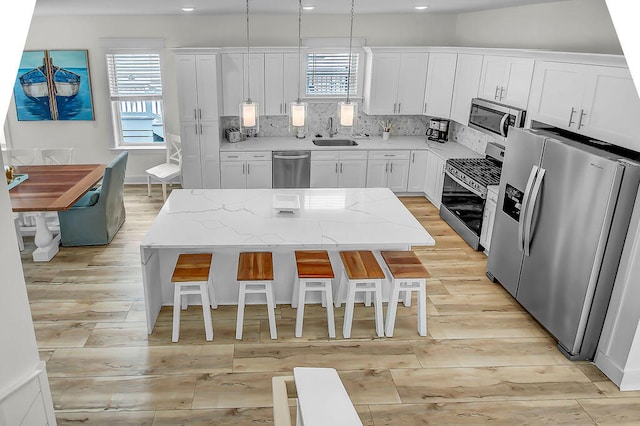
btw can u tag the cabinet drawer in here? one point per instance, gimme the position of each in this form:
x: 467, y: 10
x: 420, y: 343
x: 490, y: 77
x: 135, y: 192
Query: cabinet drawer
x: 325, y: 155
x: 353, y: 155
x: 243, y: 156
x: 389, y: 155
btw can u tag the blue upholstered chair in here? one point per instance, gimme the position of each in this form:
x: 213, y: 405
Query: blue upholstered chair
x: 98, y: 215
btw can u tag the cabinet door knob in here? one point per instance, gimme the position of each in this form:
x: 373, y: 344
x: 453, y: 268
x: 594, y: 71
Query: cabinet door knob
x: 195, y: 114
x: 391, y: 167
x: 501, y: 93
x: 340, y: 167
x: 495, y: 95
x: 399, y: 104
x: 394, y: 108
x: 573, y: 110
x: 582, y: 114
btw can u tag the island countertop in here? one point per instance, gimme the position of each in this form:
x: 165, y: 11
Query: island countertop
x: 327, y: 218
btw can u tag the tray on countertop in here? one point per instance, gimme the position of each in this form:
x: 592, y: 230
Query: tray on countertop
x: 17, y: 180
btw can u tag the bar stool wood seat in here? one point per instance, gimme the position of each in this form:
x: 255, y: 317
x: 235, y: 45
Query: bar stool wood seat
x: 362, y: 273
x: 255, y: 276
x: 193, y: 274
x: 408, y: 275
x: 314, y: 274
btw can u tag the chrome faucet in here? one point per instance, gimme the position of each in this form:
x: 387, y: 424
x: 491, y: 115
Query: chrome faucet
x: 330, y: 128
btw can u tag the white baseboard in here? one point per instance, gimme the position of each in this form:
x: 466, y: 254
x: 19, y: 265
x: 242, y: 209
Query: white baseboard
x: 28, y: 402
x: 609, y: 368
x: 630, y: 381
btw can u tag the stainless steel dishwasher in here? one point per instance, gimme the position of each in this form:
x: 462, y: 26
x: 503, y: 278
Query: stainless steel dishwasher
x: 291, y: 169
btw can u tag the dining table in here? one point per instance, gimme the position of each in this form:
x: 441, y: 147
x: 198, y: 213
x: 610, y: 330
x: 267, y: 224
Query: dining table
x: 226, y: 222
x: 51, y: 188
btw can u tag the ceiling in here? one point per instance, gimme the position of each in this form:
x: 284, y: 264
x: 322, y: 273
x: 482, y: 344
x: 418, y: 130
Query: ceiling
x: 172, y: 7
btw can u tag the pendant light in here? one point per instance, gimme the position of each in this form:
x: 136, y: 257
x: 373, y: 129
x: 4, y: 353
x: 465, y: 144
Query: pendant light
x: 348, y: 111
x: 249, y: 123
x: 298, y: 110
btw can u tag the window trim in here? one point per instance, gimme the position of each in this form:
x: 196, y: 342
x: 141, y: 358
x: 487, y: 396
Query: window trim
x: 335, y: 50
x: 141, y: 46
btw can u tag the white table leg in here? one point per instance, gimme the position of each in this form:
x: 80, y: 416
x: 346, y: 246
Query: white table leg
x: 45, y: 241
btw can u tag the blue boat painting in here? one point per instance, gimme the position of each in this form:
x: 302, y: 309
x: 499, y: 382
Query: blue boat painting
x: 53, y: 85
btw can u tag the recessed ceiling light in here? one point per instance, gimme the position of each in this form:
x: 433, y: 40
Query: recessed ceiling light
x: 420, y: 7
x: 308, y: 7
x: 188, y: 9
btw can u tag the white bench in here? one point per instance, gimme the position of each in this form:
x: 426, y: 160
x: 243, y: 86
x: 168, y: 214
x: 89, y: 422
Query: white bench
x: 321, y: 399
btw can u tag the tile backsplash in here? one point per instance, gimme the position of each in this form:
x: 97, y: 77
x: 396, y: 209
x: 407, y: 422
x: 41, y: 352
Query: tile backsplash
x: 469, y: 137
x: 319, y: 113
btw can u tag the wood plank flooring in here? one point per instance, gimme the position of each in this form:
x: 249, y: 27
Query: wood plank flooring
x: 485, y: 359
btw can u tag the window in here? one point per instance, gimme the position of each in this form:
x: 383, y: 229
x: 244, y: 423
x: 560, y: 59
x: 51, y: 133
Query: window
x: 327, y: 74
x: 135, y: 85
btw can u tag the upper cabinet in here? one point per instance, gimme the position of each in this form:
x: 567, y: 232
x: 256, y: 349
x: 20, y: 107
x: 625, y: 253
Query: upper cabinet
x: 197, y: 87
x: 281, y: 82
x: 468, y: 69
x: 241, y: 77
x: 506, y: 80
x: 439, y: 85
x: 596, y: 101
x: 394, y: 83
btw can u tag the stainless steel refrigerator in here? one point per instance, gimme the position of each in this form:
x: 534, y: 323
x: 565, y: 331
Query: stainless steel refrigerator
x: 562, y: 216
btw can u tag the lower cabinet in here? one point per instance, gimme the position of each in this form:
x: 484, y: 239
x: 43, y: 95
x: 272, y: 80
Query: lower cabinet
x: 488, y: 217
x: 417, y: 171
x: 388, y: 169
x: 246, y: 170
x: 434, y: 178
x: 338, y: 169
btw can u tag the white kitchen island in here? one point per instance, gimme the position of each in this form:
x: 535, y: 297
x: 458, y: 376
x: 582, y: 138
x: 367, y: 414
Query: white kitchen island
x: 228, y: 221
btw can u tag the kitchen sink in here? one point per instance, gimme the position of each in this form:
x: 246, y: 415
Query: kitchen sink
x: 334, y: 142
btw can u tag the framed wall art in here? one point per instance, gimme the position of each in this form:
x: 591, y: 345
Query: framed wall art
x: 54, y: 85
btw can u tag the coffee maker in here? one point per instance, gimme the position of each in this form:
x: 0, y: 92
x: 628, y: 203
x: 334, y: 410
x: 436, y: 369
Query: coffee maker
x: 438, y: 130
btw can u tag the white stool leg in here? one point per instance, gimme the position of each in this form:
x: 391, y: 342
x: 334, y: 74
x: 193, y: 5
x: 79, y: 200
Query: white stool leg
x: 348, y: 310
x: 392, y: 306
x: 331, y: 323
x: 367, y: 298
x: 323, y: 297
x: 422, y: 308
x: 341, y: 287
x: 301, y: 287
x: 16, y: 222
x: 206, y: 311
x: 296, y: 293
x: 240, y: 316
x: 271, y: 310
x: 378, y: 308
x: 176, y: 313
x: 213, y: 299
x: 148, y: 186
x: 407, y: 298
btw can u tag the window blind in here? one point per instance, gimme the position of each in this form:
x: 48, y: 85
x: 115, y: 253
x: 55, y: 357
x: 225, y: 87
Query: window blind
x: 134, y: 75
x: 328, y: 74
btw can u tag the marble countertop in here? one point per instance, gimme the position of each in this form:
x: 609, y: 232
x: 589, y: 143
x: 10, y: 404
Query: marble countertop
x: 328, y: 218
x: 444, y: 150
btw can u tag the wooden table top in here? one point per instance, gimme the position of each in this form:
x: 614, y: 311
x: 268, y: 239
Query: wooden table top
x: 54, y: 187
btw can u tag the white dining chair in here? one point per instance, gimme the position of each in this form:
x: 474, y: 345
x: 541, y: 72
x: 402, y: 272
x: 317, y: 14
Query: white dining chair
x: 169, y: 170
x: 57, y: 155
x: 23, y: 157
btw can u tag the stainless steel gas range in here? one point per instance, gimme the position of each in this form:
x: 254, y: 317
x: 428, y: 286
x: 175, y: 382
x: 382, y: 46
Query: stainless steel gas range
x: 465, y: 190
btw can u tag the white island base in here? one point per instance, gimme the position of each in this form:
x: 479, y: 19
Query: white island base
x: 227, y: 222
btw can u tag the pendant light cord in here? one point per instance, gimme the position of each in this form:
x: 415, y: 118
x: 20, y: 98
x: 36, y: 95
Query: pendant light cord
x: 248, y: 59
x: 350, y: 47
x: 299, y: 44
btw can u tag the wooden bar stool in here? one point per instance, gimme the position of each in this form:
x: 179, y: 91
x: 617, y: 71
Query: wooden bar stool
x: 361, y: 274
x: 255, y: 276
x: 408, y: 275
x: 193, y: 274
x: 314, y: 274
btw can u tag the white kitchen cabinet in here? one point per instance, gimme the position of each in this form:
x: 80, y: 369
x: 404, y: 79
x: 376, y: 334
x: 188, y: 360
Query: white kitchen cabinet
x: 238, y: 76
x: 280, y: 82
x: 338, y: 169
x: 417, y: 171
x: 435, y: 178
x: 506, y: 80
x: 394, y: 83
x: 592, y: 100
x: 388, y: 169
x: 439, y: 85
x: 488, y: 217
x: 465, y: 88
x: 246, y: 170
x: 198, y: 112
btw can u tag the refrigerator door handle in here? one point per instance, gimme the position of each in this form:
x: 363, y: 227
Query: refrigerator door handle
x: 523, y: 207
x: 530, y: 208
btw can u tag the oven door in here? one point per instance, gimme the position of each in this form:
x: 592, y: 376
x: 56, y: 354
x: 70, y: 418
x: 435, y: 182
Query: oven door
x: 462, y: 210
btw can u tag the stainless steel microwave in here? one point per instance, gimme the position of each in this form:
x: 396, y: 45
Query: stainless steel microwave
x: 494, y: 118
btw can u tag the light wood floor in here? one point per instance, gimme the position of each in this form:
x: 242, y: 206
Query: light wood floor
x: 485, y: 360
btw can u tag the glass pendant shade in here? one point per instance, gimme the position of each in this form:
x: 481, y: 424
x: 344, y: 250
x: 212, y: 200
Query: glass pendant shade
x: 298, y: 119
x: 347, y: 112
x: 249, y: 123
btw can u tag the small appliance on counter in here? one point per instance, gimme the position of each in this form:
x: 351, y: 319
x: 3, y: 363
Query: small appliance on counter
x: 233, y: 134
x: 438, y: 130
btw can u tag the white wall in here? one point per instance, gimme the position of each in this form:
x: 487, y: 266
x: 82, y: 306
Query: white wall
x: 571, y: 26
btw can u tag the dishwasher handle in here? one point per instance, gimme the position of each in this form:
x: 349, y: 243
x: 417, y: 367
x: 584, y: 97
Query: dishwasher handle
x: 290, y: 157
